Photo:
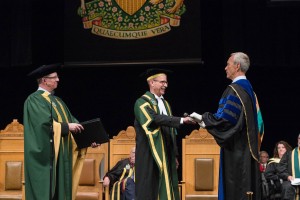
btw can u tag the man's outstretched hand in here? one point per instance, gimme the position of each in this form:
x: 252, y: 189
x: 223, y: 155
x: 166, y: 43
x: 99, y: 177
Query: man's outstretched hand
x: 198, y: 118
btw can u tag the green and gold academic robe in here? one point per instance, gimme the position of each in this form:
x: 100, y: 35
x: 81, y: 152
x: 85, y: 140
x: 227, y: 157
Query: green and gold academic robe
x: 155, y: 166
x: 235, y: 128
x: 40, y: 117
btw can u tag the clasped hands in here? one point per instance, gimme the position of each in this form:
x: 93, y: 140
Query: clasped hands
x: 197, y: 118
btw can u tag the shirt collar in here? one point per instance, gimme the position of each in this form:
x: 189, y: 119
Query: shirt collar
x: 157, y: 97
x: 239, y: 78
x: 40, y: 88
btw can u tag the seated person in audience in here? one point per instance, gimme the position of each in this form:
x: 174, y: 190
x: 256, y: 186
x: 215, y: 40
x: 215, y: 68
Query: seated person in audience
x: 120, y: 179
x: 271, y: 173
x: 288, y: 170
x: 263, y: 160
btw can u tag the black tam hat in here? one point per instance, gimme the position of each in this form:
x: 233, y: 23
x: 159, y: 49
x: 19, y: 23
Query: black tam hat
x: 45, y: 70
x: 154, y: 72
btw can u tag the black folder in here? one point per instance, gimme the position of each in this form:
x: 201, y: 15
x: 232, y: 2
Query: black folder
x: 93, y: 132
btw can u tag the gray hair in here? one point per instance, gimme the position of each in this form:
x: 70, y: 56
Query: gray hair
x: 242, y: 59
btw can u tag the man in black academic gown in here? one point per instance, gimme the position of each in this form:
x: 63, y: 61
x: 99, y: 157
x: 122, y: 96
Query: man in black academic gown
x: 235, y: 127
x: 120, y: 179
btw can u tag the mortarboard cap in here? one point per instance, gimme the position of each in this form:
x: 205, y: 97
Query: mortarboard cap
x: 154, y: 72
x: 45, y: 70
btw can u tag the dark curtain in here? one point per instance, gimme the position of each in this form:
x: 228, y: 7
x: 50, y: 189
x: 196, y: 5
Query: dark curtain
x: 268, y: 32
x: 16, y: 33
x: 21, y: 53
x: 47, y: 31
x: 5, y: 34
x: 31, y: 32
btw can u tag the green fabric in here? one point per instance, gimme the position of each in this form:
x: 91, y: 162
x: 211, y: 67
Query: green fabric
x: 37, y: 123
x: 167, y: 185
x: 296, y: 163
x: 260, y: 124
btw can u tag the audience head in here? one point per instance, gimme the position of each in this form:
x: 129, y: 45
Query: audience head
x: 299, y: 140
x: 280, y: 148
x: 263, y: 157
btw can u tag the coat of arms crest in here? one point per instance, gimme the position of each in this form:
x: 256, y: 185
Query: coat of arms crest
x: 131, y: 19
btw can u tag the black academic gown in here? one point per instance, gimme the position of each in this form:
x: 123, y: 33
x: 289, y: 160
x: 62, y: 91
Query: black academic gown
x: 271, y: 173
x: 235, y: 129
x: 119, y: 176
x: 284, y: 171
x: 115, y: 173
x: 285, y: 166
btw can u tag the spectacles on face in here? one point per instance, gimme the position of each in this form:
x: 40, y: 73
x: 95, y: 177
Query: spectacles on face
x: 51, y: 77
x: 162, y: 82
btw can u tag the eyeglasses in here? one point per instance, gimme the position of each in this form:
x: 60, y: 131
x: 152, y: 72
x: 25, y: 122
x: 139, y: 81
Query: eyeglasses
x: 51, y: 77
x: 161, y: 82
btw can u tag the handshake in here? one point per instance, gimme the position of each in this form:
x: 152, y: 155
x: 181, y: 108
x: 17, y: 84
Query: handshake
x: 196, y: 118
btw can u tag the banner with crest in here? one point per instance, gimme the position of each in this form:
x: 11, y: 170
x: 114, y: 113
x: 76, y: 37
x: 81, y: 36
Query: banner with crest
x: 127, y: 32
x: 131, y: 19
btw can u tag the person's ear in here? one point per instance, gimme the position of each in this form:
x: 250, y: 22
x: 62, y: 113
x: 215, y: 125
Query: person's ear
x: 238, y: 67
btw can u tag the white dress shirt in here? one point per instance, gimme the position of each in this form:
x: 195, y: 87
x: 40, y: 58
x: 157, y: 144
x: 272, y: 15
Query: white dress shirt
x: 161, y: 105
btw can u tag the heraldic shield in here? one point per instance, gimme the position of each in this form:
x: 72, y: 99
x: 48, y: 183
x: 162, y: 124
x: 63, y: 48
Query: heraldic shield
x: 130, y: 6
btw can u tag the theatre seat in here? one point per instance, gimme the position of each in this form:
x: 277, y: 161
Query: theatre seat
x: 204, y: 174
x: 87, y: 178
x: 90, y: 182
x: 204, y: 179
x: 119, y: 148
x: 200, y: 166
x: 201, y: 197
x: 11, y: 161
x: 87, y: 196
x: 13, y: 181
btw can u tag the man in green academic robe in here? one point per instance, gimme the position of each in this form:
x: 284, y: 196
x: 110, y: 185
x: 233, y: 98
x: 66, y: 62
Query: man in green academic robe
x: 52, y: 162
x: 156, y: 149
